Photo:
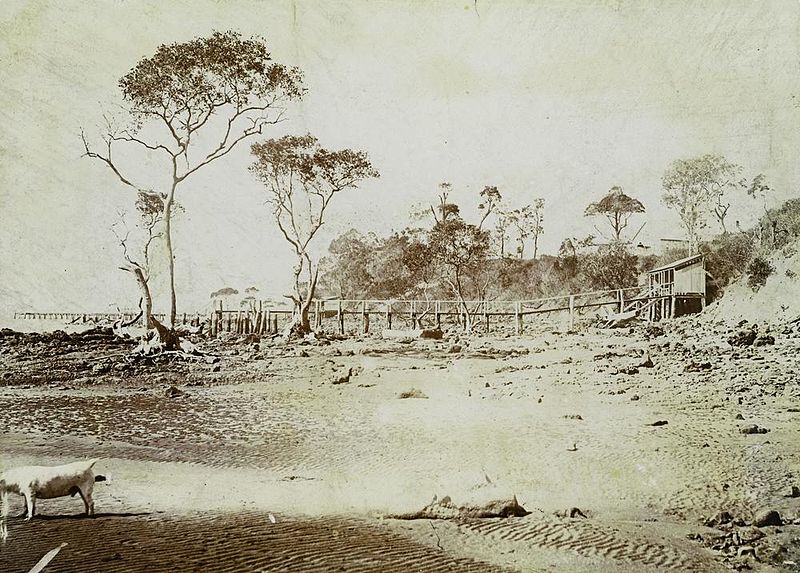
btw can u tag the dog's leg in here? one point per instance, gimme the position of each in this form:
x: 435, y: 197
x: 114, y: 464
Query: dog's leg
x: 30, y: 504
x: 88, y: 502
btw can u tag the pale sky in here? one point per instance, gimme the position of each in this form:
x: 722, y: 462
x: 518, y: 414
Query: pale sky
x: 553, y: 99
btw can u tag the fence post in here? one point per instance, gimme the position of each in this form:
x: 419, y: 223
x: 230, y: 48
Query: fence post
x: 341, y: 318
x: 486, y: 315
x: 413, y: 314
x: 364, y: 317
x: 518, y: 316
x: 572, y: 312
x: 621, y: 299
x: 388, y: 315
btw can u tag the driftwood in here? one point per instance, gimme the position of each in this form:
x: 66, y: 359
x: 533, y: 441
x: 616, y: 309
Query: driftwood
x: 618, y: 319
x: 445, y: 509
x: 132, y: 321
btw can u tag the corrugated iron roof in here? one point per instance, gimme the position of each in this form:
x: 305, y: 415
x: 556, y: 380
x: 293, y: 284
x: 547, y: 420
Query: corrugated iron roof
x: 679, y: 264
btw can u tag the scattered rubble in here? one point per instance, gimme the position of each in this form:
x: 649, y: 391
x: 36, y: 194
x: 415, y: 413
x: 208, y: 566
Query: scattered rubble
x: 753, y: 429
x: 412, y: 393
x: 766, y: 518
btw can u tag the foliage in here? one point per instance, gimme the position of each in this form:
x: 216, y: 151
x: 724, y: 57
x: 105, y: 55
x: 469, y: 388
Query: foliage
x: 185, y: 83
x: 224, y: 291
x: 462, y: 251
x: 459, y: 246
x: 725, y: 258
x: 777, y: 226
x: 758, y: 271
x: 612, y: 267
x: 346, y: 272
x: 617, y: 208
x: 444, y: 209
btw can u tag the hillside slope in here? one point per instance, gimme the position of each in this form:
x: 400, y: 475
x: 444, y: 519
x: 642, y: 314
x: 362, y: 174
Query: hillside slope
x: 777, y: 302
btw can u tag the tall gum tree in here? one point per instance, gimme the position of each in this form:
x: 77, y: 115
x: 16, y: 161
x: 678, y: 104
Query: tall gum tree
x: 698, y: 187
x: 190, y: 104
x: 301, y: 179
x: 528, y: 222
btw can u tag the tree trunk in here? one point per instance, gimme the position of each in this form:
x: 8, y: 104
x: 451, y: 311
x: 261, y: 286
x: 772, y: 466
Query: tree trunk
x: 535, y: 246
x: 311, y: 288
x: 146, y: 297
x: 173, y: 308
x: 167, y: 336
x: 305, y: 322
x: 301, y: 323
x: 463, y: 304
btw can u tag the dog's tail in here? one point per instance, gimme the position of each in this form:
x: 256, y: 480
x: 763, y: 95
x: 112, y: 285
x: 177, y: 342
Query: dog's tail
x: 94, y: 461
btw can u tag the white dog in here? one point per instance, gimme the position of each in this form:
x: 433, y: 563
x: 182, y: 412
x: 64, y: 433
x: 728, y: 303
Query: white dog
x: 45, y: 482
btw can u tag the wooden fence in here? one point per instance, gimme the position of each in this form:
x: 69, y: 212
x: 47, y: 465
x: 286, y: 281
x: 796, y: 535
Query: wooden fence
x: 362, y: 315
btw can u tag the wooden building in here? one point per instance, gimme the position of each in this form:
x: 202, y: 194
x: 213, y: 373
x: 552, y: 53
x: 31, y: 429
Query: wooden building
x: 677, y: 288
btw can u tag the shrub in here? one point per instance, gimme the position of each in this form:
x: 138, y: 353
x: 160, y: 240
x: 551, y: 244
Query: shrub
x: 758, y: 271
x: 726, y: 258
x: 612, y: 267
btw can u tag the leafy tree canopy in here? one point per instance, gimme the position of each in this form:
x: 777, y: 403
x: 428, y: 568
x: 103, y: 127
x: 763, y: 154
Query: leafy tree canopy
x: 614, y: 202
x: 188, y: 81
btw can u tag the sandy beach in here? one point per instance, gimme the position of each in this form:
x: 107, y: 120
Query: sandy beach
x: 262, y: 453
